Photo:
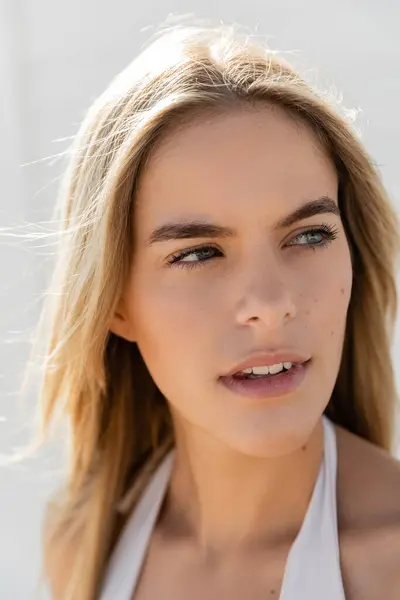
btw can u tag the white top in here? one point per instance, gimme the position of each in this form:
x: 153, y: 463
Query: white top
x: 313, y: 567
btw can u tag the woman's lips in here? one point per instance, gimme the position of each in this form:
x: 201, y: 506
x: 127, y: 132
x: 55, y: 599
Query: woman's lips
x: 270, y: 386
x: 267, y: 359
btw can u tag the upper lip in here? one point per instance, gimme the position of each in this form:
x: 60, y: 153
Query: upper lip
x: 267, y: 359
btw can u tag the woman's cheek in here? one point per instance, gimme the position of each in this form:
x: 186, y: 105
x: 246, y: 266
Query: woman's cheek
x: 331, y: 302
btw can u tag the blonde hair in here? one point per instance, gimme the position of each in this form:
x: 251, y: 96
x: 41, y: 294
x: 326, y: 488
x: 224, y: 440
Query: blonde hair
x: 119, y: 424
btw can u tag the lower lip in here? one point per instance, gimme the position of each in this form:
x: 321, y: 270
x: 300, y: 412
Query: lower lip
x: 268, y: 387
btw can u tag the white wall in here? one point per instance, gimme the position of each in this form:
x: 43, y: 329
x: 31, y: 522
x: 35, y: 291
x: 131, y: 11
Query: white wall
x: 55, y: 57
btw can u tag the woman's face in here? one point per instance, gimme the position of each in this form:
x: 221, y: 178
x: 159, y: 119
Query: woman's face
x: 240, y: 259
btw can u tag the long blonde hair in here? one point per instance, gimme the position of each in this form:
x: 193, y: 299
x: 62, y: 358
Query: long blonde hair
x: 119, y: 424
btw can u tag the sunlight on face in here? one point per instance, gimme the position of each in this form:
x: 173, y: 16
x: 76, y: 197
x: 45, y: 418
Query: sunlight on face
x: 239, y: 251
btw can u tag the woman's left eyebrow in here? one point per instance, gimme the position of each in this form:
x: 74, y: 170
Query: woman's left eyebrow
x: 201, y: 229
x: 322, y: 205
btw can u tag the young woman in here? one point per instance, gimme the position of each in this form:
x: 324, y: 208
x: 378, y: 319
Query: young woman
x: 218, y: 334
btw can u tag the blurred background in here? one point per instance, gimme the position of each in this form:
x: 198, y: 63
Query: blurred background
x: 55, y: 58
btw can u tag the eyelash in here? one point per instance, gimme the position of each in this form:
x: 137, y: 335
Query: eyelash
x: 329, y: 233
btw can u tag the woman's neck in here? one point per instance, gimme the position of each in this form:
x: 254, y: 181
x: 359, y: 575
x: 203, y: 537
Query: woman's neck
x: 224, y: 500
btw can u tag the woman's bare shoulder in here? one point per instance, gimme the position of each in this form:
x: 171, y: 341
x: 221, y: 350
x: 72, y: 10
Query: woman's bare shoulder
x: 369, y: 517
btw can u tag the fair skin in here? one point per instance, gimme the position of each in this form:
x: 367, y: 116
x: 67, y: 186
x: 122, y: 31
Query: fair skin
x: 270, y: 280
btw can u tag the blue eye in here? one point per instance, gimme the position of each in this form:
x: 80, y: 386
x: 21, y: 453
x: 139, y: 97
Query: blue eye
x: 315, y: 237
x: 193, y: 257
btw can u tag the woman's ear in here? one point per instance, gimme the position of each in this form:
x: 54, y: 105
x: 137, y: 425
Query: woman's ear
x: 121, y: 324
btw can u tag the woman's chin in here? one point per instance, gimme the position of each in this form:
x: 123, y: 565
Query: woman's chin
x: 274, y: 440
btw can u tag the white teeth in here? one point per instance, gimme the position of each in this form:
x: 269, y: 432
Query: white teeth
x: 267, y: 370
x: 274, y: 369
x: 261, y: 370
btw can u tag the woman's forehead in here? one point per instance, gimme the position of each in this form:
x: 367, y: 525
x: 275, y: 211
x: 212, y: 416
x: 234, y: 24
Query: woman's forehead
x: 242, y: 160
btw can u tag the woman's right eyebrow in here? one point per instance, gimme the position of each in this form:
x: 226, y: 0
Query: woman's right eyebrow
x: 189, y: 230
x: 201, y: 229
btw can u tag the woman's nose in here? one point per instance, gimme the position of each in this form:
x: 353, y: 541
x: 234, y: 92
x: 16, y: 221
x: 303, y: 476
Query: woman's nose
x: 265, y: 296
